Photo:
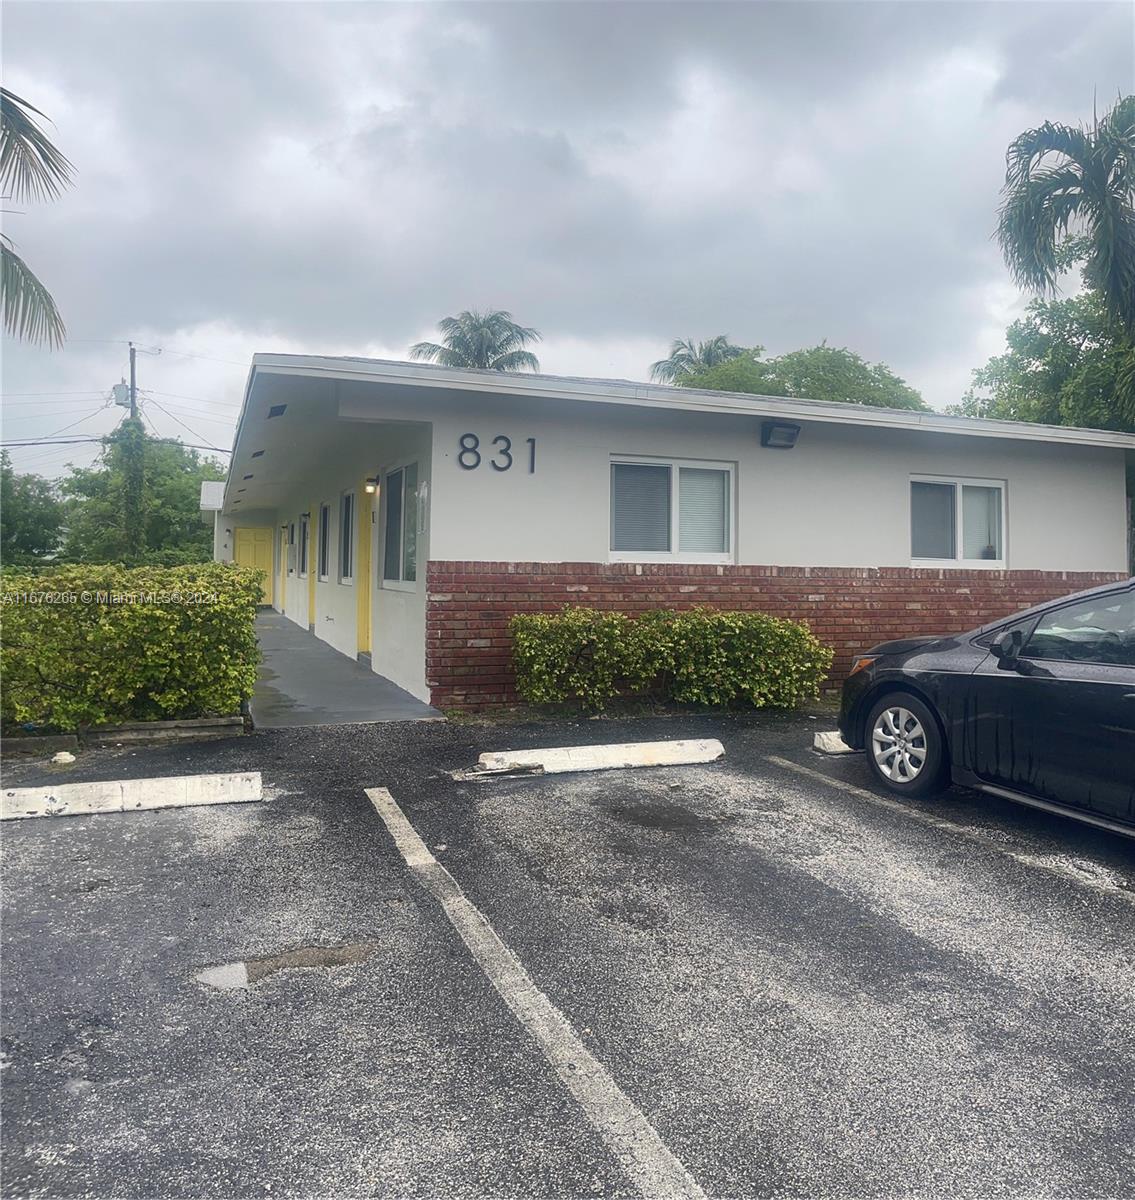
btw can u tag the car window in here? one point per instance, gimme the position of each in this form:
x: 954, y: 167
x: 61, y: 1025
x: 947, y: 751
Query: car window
x: 1101, y: 630
x: 1025, y: 626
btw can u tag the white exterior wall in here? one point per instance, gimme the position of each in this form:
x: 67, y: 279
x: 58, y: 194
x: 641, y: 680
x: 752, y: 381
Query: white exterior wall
x: 398, y: 617
x: 840, y: 498
x: 398, y: 621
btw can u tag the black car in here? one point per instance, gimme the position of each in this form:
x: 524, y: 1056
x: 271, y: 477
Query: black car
x: 1038, y: 707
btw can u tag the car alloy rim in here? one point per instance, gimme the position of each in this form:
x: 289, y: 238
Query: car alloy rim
x: 898, y: 742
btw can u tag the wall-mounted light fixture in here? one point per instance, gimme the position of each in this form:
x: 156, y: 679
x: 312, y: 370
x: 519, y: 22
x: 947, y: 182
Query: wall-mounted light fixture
x: 371, y: 484
x: 779, y: 435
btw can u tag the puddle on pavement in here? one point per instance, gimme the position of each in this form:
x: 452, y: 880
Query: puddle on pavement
x: 247, y: 972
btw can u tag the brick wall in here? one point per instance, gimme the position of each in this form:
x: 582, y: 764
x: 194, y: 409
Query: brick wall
x: 468, y: 649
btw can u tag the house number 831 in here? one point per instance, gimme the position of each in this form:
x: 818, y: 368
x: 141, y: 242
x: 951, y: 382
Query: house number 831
x: 500, y: 458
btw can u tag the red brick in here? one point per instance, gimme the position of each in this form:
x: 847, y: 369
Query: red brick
x: 859, y: 606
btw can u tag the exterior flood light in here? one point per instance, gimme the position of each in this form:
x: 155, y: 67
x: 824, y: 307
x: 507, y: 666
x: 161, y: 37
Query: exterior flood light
x: 371, y: 484
x: 779, y: 435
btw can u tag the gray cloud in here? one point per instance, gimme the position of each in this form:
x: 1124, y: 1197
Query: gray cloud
x: 617, y: 174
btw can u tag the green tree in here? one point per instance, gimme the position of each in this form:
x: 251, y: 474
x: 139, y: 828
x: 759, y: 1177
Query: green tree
x: 688, y: 357
x: 31, y: 168
x: 1063, y: 366
x: 31, y: 516
x: 100, y: 503
x: 819, y: 373
x: 489, y: 341
x: 1064, y: 182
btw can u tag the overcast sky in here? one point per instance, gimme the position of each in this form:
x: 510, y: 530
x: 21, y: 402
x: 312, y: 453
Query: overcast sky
x: 333, y: 178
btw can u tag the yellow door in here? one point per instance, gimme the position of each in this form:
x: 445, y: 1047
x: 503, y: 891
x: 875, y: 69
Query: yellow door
x: 253, y: 548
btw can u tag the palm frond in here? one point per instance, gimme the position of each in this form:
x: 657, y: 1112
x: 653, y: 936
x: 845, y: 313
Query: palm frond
x: 31, y: 168
x: 29, y: 310
x: 483, y: 341
x: 516, y: 360
x: 687, y: 356
x: 1031, y: 147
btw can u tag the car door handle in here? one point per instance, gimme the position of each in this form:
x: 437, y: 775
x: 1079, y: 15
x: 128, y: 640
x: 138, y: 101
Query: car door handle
x: 1129, y: 696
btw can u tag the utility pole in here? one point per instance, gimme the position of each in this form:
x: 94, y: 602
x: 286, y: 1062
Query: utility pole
x: 133, y: 446
x: 133, y: 384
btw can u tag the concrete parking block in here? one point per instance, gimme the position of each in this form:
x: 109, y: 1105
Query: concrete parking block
x: 129, y: 795
x: 560, y: 759
x: 831, y: 742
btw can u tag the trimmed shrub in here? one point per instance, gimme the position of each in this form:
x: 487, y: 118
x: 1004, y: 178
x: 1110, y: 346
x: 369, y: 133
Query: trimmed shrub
x: 93, y: 645
x: 702, y: 656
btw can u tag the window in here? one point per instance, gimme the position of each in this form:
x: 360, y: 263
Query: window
x: 304, y: 531
x: 1097, y: 631
x: 671, y: 510
x: 324, y: 542
x: 957, y: 520
x: 292, y: 548
x: 347, y: 537
x: 400, y: 552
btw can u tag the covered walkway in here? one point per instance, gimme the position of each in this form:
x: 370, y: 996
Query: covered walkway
x: 302, y: 681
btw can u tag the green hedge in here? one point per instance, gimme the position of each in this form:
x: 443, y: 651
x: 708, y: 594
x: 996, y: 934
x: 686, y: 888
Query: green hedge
x: 93, y: 645
x: 702, y: 656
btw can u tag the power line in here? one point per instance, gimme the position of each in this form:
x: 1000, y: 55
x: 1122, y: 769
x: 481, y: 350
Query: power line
x: 207, y: 357
x: 198, y: 400
x: 92, y: 392
x: 179, y: 421
x: 79, y: 441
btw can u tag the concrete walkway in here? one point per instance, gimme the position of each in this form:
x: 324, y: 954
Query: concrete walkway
x: 302, y: 681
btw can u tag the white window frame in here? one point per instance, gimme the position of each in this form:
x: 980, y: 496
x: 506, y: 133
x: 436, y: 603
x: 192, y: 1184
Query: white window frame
x: 303, y: 546
x: 400, y: 585
x: 674, y: 555
x: 293, y: 560
x: 323, y: 545
x: 349, y: 494
x: 969, y: 564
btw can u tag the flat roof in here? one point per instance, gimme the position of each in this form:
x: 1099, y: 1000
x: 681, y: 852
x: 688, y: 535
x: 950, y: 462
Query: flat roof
x: 653, y: 395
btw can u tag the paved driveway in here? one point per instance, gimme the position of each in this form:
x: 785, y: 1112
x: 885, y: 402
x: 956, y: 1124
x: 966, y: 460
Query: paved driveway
x: 804, y: 988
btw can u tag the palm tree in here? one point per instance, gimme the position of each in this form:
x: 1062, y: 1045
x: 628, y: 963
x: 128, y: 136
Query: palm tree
x: 31, y: 168
x: 489, y: 341
x: 686, y: 357
x: 1063, y: 181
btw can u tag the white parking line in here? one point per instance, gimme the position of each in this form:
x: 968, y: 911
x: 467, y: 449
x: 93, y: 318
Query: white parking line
x: 1066, y: 868
x: 650, y: 1164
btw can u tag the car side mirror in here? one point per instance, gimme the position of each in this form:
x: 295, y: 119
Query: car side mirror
x: 1006, y: 647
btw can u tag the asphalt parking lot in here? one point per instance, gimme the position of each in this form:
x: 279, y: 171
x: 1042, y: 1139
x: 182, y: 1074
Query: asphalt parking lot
x: 804, y: 988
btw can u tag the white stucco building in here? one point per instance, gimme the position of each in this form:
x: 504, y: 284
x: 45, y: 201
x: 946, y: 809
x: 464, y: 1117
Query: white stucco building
x: 404, y: 511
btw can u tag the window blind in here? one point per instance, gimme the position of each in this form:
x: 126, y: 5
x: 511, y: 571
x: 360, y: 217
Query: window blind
x: 347, y: 536
x: 640, y: 507
x: 410, y: 524
x: 324, y: 540
x: 981, y: 522
x: 703, y: 510
x: 932, y: 520
x: 392, y: 541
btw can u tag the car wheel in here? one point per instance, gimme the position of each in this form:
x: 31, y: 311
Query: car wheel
x: 905, y: 747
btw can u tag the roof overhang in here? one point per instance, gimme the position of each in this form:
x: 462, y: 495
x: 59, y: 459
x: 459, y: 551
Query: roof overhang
x: 626, y: 393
